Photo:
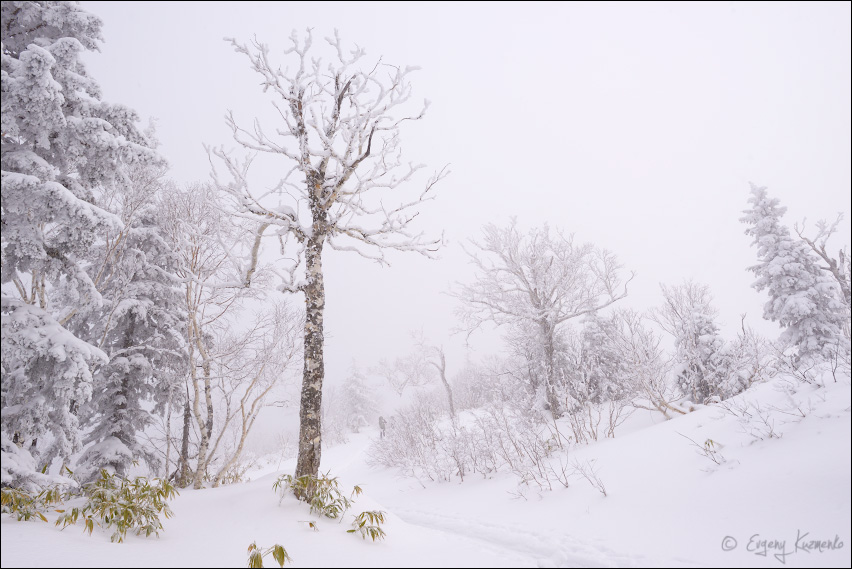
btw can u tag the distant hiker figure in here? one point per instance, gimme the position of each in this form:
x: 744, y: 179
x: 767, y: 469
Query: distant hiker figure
x: 382, y: 424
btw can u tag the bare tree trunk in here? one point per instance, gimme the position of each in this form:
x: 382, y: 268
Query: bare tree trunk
x: 183, y: 479
x: 168, y: 434
x: 205, y: 424
x: 442, y: 369
x: 310, y: 435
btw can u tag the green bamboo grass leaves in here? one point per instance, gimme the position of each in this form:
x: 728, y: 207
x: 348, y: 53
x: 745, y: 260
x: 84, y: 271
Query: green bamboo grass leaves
x: 256, y: 555
x: 28, y: 505
x: 325, y: 496
x: 326, y: 499
x: 123, y: 504
x: 369, y: 524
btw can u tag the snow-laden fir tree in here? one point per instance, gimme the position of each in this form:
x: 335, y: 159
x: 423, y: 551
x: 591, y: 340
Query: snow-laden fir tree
x: 46, y: 375
x: 358, y: 404
x: 139, y: 324
x: 59, y: 143
x: 338, y: 146
x: 803, y: 298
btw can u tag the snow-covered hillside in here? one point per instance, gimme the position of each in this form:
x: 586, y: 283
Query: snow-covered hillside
x: 779, y: 495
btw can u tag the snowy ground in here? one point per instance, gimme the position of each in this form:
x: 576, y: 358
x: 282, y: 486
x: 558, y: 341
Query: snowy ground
x: 666, y: 505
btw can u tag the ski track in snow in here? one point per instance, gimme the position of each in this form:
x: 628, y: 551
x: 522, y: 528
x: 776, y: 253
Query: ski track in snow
x: 546, y: 549
x: 543, y: 548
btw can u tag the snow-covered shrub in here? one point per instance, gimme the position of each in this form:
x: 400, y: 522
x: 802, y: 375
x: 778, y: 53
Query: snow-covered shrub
x: 591, y: 422
x: 749, y: 359
x: 236, y: 472
x: 124, y: 504
x: 422, y: 443
x: 472, y: 387
x: 413, y: 443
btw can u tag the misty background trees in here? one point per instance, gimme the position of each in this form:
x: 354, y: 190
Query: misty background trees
x: 145, y: 325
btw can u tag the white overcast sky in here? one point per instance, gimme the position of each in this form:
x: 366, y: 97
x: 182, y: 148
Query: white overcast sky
x: 636, y: 126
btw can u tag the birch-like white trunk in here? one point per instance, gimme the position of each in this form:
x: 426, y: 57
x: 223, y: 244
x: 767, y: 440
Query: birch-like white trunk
x: 310, y: 434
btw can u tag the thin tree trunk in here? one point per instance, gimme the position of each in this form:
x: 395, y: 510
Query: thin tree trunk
x: 168, y: 434
x: 310, y: 434
x: 184, y: 445
x: 205, y: 424
x: 442, y: 369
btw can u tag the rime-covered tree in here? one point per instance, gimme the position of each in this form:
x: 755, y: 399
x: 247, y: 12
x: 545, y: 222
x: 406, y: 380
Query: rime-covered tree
x: 536, y: 283
x: 60, y: 143
x: 688, y: 315
x: 646, y: 366
x: 595, y: 368
x: 139, y: 325
x: 805, y: 300
x: 338, y: 143
x: 46, y: 374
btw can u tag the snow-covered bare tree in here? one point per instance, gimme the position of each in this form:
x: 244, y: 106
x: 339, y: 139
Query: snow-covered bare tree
x: 645, y: 365
x: 807, y: 301
x: 536, y: 283
x: 423, y: 366
x: 60, y: 142
x: 201, y: 235
x: 248, y: 367
x: 338, y: 142
x: 435, y: 358
x: 839, y: 267
x: 404, y: 372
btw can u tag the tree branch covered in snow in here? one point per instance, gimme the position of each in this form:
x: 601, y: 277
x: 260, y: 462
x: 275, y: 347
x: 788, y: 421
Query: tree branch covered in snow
x: 340, y: 133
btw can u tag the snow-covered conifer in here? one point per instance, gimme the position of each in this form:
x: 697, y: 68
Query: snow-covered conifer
x: 357, y: 402
x: 139, y: 324
x: 803, y: 298
x: 60, y: 145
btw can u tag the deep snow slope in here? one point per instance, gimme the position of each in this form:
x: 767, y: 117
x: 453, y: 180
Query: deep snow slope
x: 779, y: 496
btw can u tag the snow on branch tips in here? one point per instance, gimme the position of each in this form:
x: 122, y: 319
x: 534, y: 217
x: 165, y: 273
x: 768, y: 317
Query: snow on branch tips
x: 336, y: 132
